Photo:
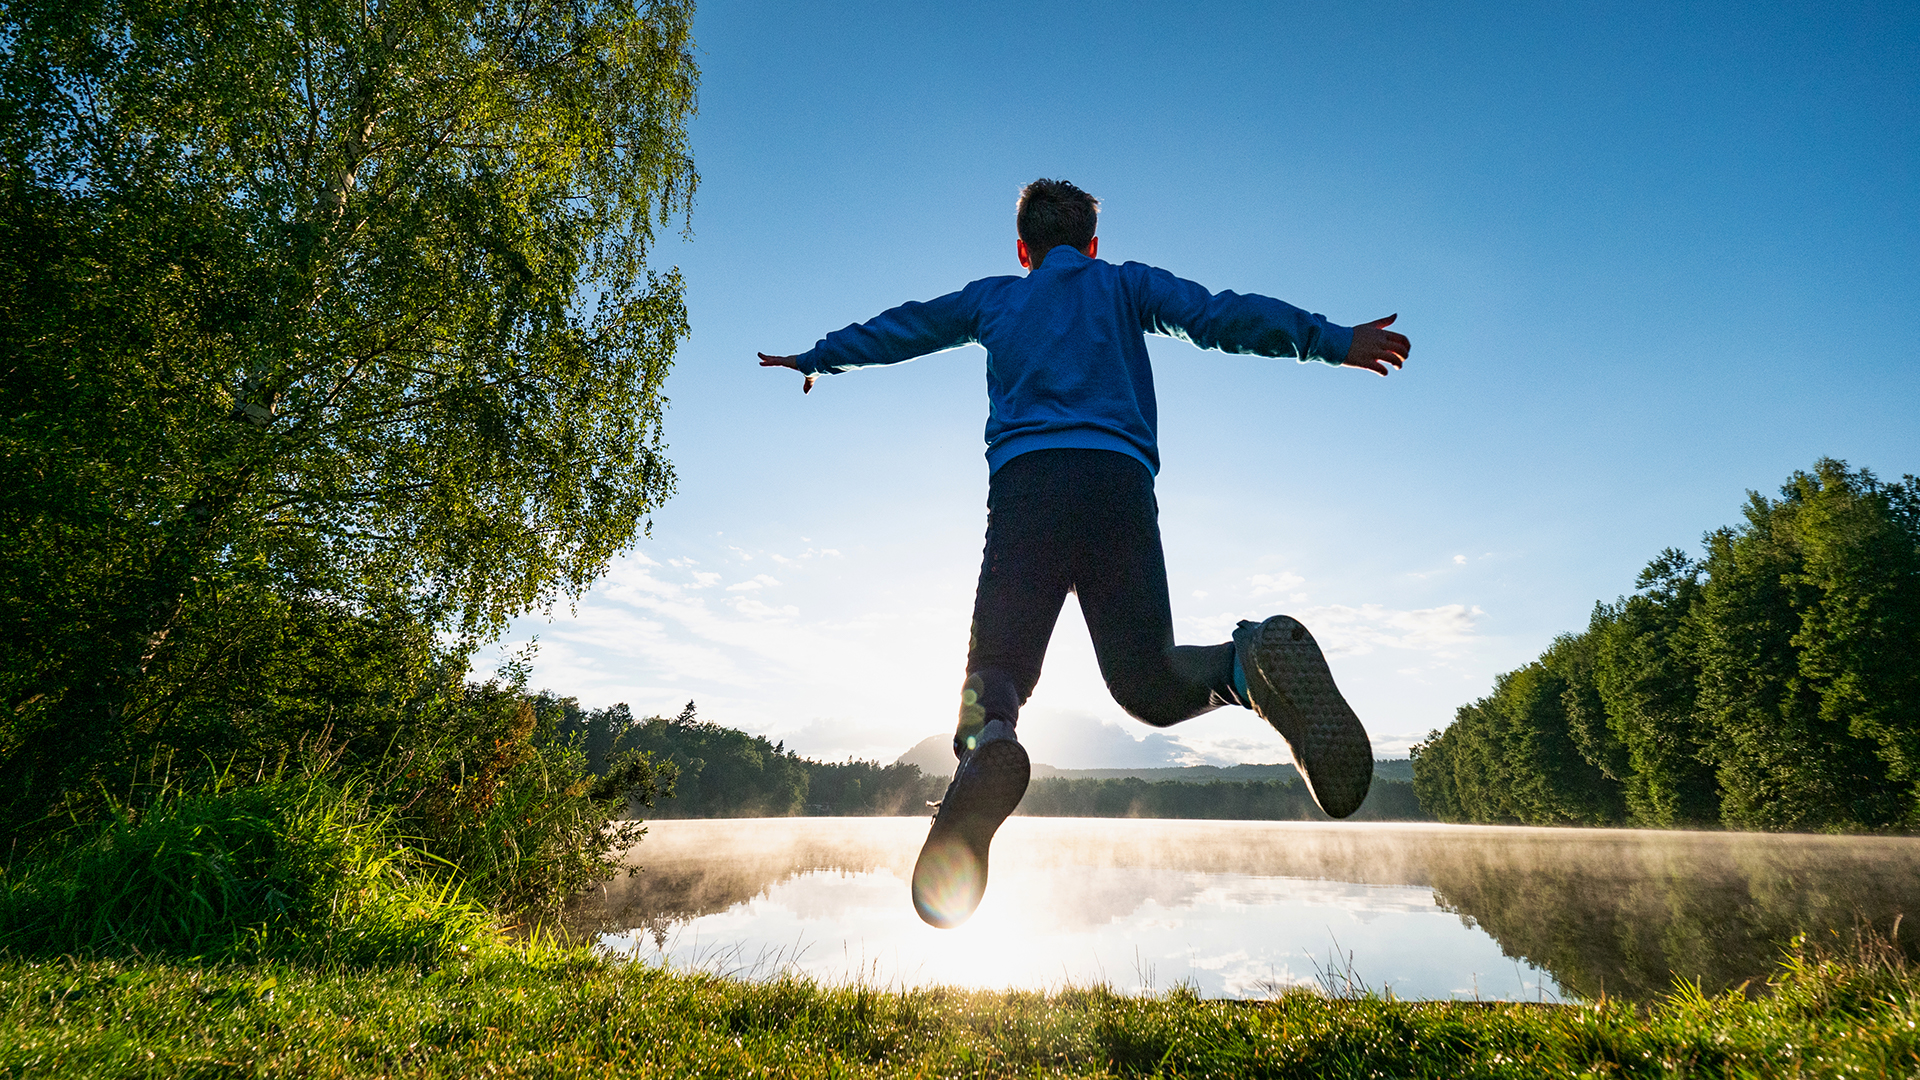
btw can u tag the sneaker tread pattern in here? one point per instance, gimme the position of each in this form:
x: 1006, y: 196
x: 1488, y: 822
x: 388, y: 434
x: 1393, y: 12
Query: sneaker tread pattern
x: 1293, y: 689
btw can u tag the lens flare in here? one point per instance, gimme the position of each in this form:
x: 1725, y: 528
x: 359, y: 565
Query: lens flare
x: 948, y: 882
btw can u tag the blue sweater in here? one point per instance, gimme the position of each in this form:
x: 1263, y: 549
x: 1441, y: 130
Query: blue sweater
x: 1066, y: 347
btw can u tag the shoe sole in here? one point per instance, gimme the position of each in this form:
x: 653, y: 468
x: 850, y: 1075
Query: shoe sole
x: 1293, y: 690
x: 950, y: 876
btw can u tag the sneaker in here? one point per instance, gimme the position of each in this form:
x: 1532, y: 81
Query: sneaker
x: 1292, y: 689
x: 951, y: 876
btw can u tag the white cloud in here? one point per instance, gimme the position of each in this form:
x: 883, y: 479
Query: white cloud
x: 1273, y: 584
x: 654, y: 637
x: 1343, y: 629
x: 1392, y: 744
x: 754, y: 609
x: 1348, y: 630
x: 1459, y: 560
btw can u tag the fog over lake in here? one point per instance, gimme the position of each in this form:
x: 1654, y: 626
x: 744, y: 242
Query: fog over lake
x: 1245, y: 909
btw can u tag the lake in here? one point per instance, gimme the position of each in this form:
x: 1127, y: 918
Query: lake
x: 1247, y: 909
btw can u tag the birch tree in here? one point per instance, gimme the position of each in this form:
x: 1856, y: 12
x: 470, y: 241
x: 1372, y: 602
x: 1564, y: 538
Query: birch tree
x: 323, y: 326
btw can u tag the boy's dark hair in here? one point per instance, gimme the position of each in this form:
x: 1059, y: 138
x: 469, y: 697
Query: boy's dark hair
x: 1054, y: 212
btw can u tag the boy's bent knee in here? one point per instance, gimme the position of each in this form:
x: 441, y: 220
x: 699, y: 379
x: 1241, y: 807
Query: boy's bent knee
x: 1161, y: 706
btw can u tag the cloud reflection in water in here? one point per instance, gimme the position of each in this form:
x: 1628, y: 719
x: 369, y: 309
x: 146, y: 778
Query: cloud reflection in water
x: 1239, y: 908
x: 828, y: 897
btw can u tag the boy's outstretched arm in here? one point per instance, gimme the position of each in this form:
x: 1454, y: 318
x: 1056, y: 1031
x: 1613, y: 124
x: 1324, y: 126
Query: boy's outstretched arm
x: 807, y: 387
x: 902, y: 333
x: 1375, y: 346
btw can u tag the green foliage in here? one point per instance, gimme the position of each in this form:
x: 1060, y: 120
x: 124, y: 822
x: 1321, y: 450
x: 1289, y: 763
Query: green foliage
x: 326, y: 332
x: 1808, y: 631
x: 400, y: 856
x: 331, y: 341
x: 1516, y: 755
x: 1769, y: 686
x: 1436, y: 760
x: 509, y: 801
x: 858, y: 788
x: 1825, y: 1016
x: 290, y: 868
x: 719, y: 772
x: 699, y: 769
x: 1648, y: 673
x: 593, y: 730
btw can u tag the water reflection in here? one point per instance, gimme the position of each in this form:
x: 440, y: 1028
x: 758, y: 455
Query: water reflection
x: 1243, y: 908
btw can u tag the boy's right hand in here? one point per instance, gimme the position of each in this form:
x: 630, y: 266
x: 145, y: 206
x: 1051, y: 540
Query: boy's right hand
x: 787, y: 362
x: 1375, y: 346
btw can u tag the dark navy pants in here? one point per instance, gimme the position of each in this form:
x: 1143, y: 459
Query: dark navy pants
x: 1085, y: 522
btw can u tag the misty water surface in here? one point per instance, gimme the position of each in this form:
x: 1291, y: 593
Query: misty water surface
x: 1243, y: 909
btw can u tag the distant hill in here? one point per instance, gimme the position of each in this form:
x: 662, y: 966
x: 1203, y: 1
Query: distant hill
x: 934, y: 756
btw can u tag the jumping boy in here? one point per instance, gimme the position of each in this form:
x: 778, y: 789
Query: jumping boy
x: 1071, y: 445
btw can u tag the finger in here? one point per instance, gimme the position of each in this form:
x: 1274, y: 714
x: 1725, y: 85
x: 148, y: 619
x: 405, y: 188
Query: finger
x: 1376, y: 359
x: 1384, y: 344
x: 1378, y: 323
x: 1372, y: 345
x: 772, y: 361
x: 807, y: 387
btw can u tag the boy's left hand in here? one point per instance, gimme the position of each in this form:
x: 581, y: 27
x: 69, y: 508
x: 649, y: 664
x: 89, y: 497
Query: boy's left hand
x: 1375, y: 346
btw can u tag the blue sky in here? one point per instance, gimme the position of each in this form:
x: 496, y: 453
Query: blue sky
x: 1650, y: 256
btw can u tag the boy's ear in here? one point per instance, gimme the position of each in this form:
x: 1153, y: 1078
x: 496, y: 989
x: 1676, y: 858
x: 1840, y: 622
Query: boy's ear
x: 1026, y: 257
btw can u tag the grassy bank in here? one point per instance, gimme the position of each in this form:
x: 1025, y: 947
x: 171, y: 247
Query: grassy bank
x: 563, y: 1014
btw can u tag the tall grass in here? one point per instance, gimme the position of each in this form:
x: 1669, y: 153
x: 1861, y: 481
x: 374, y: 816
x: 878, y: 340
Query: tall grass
x: 290, y: 868
x: 329, y: 850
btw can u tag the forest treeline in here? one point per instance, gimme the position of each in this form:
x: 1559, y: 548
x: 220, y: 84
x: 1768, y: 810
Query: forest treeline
x: 1218, y: 800
x: 1771, y: 684
x: 711, y: 771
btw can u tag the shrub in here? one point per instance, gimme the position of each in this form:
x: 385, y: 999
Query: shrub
x: 501, y: 795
